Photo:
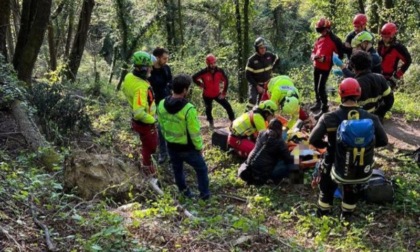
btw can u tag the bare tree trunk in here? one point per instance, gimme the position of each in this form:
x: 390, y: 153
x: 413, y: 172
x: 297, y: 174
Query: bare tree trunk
x: 15, y: 8
x: 4, y: 26
x: 69, y: 32
x: 34, y: 22
x: 10, y: 43
x: 80, y: 39
x: 114, y: 59
x: 181, y: 25
x: 361, y: 6
x: 243, y: 89
x: 375, y: 22
x: 52, y: 49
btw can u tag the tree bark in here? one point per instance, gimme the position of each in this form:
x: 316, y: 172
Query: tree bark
x: 4, y: 26
x: 69, y: 32
x: 34, y: 21
x: 375, y: 22
x: 240, y: 55
x: 51, y: 47
x: 181, y: 25
x: 361, y: 6
x: 79, y: 41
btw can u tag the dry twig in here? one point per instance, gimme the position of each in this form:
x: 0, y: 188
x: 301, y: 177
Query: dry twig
x: 6, y: 233
x: 50, y: 244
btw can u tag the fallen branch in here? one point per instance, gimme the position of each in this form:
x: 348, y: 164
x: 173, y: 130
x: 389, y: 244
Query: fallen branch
x: 233, y: 197
x: 50, y: 244
x: 6, y: 233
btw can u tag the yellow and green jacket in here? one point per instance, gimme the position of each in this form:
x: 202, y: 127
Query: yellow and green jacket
x: 243, y: 126
x: 179, y: 124
x: 140, y: 97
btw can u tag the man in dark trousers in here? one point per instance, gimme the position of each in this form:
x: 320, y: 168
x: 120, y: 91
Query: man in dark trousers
x: 258, y: 71
x: 209, y: 79
x: 349, y: 91
x: 322, y: 57
x: 161, y: 81
x: 181, y: 129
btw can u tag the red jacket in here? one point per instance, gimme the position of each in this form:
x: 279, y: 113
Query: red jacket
x: 391, y: 55
x: 325, y: 46
x: 210, y: 82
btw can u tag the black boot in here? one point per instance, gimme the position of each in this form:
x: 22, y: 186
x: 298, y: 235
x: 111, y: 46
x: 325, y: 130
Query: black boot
x: 324, y: 109
x: 315, y: 107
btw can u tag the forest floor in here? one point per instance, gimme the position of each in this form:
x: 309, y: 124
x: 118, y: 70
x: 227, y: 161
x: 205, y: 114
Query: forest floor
x: 237, y: 218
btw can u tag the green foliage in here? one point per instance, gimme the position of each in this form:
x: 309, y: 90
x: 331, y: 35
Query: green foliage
x: 10, y: 87
x: 60, y: 112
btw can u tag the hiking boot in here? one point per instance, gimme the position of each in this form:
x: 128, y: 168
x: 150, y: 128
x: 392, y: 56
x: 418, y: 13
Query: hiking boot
x: 320, y: 213
x: 315, y: 107
x: 324, y: 109
x: 346, y: 216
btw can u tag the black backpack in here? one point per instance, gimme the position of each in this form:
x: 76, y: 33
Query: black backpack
x: 354, y: 151
x: 379, y: 190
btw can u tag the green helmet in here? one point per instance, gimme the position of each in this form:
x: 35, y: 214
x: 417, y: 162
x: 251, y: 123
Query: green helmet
x: 291, y: 105
x: 141, y: 58
x: 360, y: 38
x: 268, y: 106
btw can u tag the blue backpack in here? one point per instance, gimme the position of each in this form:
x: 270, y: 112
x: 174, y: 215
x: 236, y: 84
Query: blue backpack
x: 354, y: 152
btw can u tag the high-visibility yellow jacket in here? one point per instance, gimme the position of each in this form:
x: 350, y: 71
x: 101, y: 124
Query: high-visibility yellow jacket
x: 243, y: 126
x: 140, y: 97
x: 179, y: 123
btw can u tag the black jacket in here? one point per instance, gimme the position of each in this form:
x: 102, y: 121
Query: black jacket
x: 329, y: 122
x: 377, y: 97
x: 268, y: 150
x: 161, y: 81
x: 259, y: 68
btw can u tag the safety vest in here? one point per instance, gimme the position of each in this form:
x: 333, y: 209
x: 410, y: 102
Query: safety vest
x: 246, y: 126
x: 175, y: 128
x: 278, y: 88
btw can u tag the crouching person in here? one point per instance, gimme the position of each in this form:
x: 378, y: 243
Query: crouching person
x: 352, y: 134
x: 270, y: 159
x: 246, y: 128
x: 181, y: 129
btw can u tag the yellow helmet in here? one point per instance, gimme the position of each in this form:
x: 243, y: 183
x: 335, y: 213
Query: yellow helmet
x: 268, y: 106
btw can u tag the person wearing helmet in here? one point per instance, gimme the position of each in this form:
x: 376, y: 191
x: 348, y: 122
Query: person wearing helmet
x: 181, y: 129
x: 377, y: 96
x: 322, y: 55
x: 349, y: 91
x: 246, y: 128
x: 395, y: 57
x: 270, y: 159
x: 140, y: 96
x: 281, y: 90
x: 362, y: 42
x: 359, y: 24
x: 161, y: 81
x: 209, y: 79
x: 258, y: 71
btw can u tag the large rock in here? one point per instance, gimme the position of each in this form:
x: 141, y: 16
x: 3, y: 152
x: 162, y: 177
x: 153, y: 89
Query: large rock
x: 101, y: 175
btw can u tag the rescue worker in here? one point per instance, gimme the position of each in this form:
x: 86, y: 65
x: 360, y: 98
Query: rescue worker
x: 322, y: 54
x: 377, y: 97
x: 209, y: 79
x: 395, y: 57
x: 258, y: 71
x: 161, y: 81
x: 246, y: 128
x: 140, y: 96
x: 349, y: 91
x: 181, y: 129
x: 283, y: 92
x: 270, y: 159
x: 362, y: 42
x: 359, y: 24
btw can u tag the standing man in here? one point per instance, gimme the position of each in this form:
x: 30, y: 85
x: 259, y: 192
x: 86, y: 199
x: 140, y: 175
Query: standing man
x: 393, y: 53
x: 328, y: 176
x: 258, y: 71
x: 209, y: 79
x: 377, y: 97
x: 322, y: 56
x: 139, y: 94
x: 181, y: 129
x: 161, y: 82
x: 359, y: 25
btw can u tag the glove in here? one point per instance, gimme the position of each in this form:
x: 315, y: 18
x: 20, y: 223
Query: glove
x: 338, y: 62
x: 338, y: 72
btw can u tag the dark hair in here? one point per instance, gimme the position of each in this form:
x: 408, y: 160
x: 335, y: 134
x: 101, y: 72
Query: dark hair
x: 361, y: 60
x: 159, y: 51
x: 275, y: 127
x: 181, y: 82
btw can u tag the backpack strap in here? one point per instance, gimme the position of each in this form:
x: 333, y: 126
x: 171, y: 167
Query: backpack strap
x: 251, y: 118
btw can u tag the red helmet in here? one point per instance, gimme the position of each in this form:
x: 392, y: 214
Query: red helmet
x: 349, y: 87
x: 360, y: 20
x: 323, y: 23
x: 210, y: 59
x: 389, y: 29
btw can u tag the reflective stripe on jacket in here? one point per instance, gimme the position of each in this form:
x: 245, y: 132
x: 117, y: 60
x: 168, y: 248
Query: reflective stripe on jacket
x: 140, y: 97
